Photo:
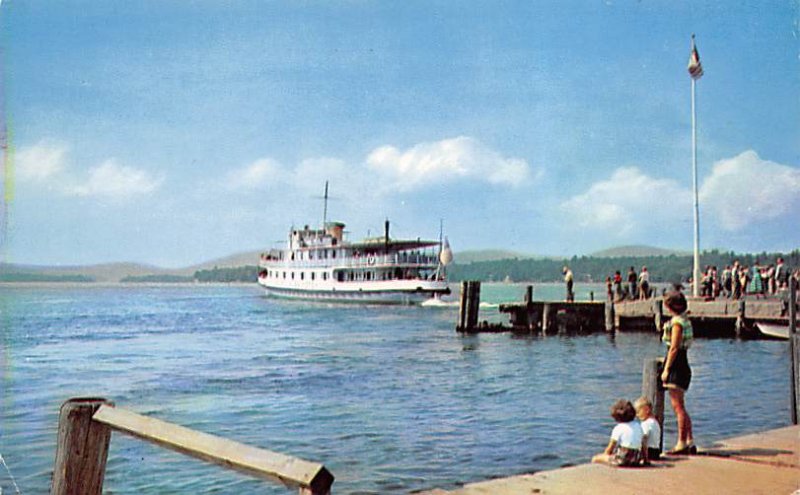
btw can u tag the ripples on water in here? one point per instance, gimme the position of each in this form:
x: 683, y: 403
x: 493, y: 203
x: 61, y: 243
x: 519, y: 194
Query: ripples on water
x: 391, y: 399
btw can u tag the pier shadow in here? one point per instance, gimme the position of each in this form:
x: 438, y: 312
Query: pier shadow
x: 743, y: 452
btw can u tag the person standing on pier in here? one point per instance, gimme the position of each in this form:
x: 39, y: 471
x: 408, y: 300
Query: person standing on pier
x: 568, y: 280
x: 736, y: 281
x: 632, y: 283
x: 644, y: 283
x: 618, y: 285
x: 678, y: 336
x: 781, y: 275
x: 727, y: 286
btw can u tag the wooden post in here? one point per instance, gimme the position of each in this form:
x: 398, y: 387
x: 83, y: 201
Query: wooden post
x: 530, y: 322
x: 739, y: 326
x: 546, y: 319
x: 658, y: 310
x: 654, y: 391
x: 82, y: 449
x: 475, y: 303
x: 794, y: 348
x: 469, y: 306
x: 609, y: 316
x: 462, y: 307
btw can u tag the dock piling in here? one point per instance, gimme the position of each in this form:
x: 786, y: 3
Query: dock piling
x: 469, y: 306
x: 658, y: 311
x: 654, y: 391
x: 610, y: 316
x: 739, y: 327
x: 82, y: 449
x: 794, y: 350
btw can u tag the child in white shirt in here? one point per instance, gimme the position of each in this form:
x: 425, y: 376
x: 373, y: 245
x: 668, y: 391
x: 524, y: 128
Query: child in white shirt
x: 651, y: 430
x: 624, y: 447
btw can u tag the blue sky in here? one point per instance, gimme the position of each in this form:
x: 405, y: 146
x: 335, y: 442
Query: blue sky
x: 176, y: 132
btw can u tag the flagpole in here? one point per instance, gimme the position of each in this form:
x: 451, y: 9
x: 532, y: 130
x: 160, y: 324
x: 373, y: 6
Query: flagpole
x: 696, y: 270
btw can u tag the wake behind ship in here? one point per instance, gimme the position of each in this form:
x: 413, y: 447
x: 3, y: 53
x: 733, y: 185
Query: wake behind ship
x: 320, y: 264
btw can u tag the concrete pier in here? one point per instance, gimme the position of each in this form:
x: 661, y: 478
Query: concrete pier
x: 767, y: 462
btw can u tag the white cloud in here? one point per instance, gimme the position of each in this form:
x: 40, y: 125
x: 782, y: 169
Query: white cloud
x: 626, y: 202
x: 110, y: 179
x: 256, y: 175
x: 40, y: 162
x: 446, y: 160
x: 745, y: 190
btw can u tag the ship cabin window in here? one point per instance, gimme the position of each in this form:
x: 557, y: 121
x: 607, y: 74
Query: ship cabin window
x: 292, y: 275
x: 302, y: 275
x: 325, y: 254
x: 369, y: 275
x: 312, y: 275
x: 333, y: 253
x: 324, y: 275
x: 292, y: 256
x: 340, y: 276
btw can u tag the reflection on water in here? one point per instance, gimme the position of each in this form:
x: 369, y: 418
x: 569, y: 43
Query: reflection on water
x: 391, y: 399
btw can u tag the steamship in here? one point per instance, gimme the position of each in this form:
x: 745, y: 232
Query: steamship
x: 320, y: 264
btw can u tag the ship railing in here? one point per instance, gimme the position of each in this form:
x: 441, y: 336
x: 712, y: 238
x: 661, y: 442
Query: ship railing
x: 364, y: 261
x: 84, y: 433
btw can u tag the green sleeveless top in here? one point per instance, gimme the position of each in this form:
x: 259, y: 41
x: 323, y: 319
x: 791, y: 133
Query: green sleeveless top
x: 688, y: 333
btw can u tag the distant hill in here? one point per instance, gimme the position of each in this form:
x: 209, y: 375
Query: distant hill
x: 106, y: 272
x: 637, y: 251
x: 234, y: 260
x: 464, y: 257
x: 115, y: 272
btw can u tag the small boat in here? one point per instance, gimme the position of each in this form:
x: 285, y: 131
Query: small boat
x: 773, y: 330
x: 320, y: 264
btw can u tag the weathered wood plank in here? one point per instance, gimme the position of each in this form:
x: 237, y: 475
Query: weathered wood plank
x: 274, y: 466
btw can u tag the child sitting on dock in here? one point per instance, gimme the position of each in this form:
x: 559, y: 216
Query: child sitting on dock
x: 651, y: 430
x: 624, y: 447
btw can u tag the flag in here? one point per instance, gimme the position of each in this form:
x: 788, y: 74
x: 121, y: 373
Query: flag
x: 695, y: 67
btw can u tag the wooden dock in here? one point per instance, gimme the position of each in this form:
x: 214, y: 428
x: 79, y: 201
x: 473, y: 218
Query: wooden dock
x: 711, y: 318
x: 761, y: 463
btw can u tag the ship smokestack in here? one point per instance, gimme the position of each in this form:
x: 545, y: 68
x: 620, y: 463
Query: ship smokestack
x: 386, y: 234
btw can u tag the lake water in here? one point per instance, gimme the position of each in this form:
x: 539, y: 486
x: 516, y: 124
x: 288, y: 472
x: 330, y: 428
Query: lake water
x: 390, y: 399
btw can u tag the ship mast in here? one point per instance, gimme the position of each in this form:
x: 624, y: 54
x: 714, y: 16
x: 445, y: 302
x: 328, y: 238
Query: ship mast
x: 325, y: 209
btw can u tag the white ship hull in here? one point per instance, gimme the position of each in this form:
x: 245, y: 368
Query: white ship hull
x: 366, y: 297
x: 379, y: 292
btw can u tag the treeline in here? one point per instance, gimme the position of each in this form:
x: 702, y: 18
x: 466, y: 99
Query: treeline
x: 248, y: 273
x: 672, y: 268
x: 43, y: 277
x: 156, y: 279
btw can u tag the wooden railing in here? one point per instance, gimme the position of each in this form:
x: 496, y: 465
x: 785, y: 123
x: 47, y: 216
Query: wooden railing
x: 84, y: 433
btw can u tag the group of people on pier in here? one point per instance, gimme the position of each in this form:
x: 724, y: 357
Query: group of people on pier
x: 738, y: 280
x: 634, y: 287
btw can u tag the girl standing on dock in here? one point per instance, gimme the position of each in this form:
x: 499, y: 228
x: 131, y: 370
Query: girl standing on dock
x: 678, y: 336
